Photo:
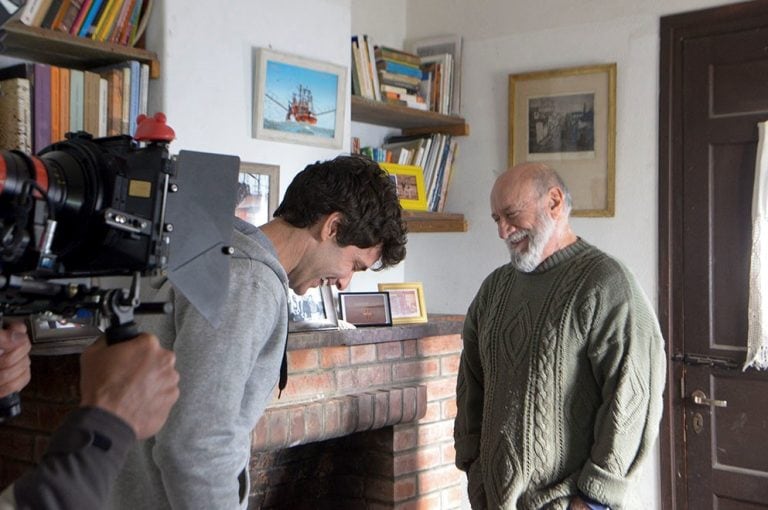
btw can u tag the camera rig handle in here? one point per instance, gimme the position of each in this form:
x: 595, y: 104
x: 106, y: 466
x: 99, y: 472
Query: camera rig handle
x: 119, y: 306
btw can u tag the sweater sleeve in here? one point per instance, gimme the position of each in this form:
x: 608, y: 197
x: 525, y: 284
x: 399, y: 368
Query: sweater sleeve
x: 469, y: 394
x: 205, y: 444
x: 627, y: 355
x: 80, y: 465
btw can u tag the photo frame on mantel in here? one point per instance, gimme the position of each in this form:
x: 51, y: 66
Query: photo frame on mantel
x: 566, y: 118
x: 257, y: 192
x: 298, y: 100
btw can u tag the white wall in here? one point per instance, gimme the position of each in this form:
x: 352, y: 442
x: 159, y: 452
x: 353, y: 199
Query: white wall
x: 205, y: 89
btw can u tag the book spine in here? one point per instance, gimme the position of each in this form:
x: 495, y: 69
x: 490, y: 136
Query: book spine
x: 144, y: 89
x: 85, y: 6
x: 394, y: 67
x: 75, y: 100
x: 42, y: 107
x: 135, y: 95
x: 59, y: 18
x: 93, y: 12
x: 64, y: 83
x: 55, y: 104
x: 103, y: 106
x: 15, y: 115
x: 29, y: 11
x: 122, y: 20
x: 374, y: 74
x: 91, y: 103
x: 50, y: 14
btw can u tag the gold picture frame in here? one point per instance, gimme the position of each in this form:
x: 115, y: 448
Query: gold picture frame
x: 409, y: 181
x: 566, y: 118
x: 406, y: 301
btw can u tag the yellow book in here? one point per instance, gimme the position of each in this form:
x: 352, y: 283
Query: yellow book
x: 106, y: 19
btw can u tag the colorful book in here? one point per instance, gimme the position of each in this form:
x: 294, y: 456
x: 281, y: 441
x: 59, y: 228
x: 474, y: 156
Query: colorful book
x: 50, y: 13
x: 103, y: 107
x: 56, y: 134
x: 76, y: 85
x: 394, y: 67
x: 131, y: 92
x: 68, y: 19
x: 397, y: 55
x: 62, y: 11
x: 93, y: 13
x: 15, y: 115
x: 91, y: 102
x: 105, y: 21
x: 64, y: 100
x: 122, y: 20
x: 85, y: 6
x: 30, y: 11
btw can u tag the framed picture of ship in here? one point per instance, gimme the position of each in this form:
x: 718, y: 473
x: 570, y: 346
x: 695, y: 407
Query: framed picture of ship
x: 566, y: 119
x: 298, y: 100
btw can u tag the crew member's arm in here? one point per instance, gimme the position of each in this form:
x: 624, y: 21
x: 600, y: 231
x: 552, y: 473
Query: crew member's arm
x: 127, y: 391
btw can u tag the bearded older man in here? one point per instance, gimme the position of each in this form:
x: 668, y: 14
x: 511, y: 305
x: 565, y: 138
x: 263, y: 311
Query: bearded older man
x: 560, y: 385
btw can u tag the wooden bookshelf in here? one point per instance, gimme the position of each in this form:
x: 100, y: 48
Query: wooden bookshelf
x: 59, y: 48
x: 435, y: 221
x: 410, y: 120
x: 415, y: 122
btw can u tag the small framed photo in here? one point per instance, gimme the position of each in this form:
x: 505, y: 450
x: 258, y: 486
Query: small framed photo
x: 409, y: 181
x: 566, y: 118
x: 314, y: 310
x: 406, y: 301
x: 298, y: 100
x: 257, y: 192
x: 365, y: 308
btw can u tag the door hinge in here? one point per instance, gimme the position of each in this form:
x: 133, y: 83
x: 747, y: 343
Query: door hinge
x: 700, y: 359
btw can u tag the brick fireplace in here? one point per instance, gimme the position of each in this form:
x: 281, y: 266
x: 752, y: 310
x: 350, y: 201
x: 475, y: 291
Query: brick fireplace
x: 366, y: 420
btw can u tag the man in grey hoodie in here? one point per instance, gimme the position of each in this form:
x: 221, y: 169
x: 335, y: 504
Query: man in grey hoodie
x: 337, y: 217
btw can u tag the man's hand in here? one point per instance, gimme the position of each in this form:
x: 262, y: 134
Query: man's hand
x: 14, y: 358
x: 135, y: 380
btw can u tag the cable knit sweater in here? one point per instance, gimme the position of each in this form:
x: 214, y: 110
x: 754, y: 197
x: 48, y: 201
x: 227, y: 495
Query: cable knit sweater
x: 560, y: 384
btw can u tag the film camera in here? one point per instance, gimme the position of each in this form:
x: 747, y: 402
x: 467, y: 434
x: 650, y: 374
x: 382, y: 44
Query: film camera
x: 95, y: 207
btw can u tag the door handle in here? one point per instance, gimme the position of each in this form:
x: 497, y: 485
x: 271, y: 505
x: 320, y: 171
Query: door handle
x: 700, y: 398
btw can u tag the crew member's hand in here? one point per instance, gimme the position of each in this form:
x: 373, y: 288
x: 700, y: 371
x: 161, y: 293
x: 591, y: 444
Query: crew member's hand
x: 578, y: 504
x: 14, y: 358
x: 135, y: 380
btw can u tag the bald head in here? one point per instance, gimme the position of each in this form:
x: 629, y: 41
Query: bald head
x: 530, y: 205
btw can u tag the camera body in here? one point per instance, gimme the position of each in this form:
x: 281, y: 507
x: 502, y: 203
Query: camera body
x: 85, y: 207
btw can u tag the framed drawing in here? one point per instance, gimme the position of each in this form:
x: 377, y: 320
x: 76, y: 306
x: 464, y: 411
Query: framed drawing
x: 409, y: 181
x: 298, y: 100
x: 406, y: 300
x: 566, y: 118
x: 365, y: 308
x: 257, y: 192
x: 313, y: 310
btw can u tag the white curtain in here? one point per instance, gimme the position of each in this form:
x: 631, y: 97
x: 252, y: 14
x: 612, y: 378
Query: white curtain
x: 757, y: 340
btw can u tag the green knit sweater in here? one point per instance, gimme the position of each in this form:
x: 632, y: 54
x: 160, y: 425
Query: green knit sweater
x: 560, y: 384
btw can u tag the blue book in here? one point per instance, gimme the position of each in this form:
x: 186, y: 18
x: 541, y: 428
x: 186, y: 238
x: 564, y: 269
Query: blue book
x: 394, y: 67
x: 88, y: 21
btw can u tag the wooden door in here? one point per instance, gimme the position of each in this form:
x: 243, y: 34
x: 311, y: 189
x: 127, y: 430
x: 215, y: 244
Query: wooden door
x: 714, y: 91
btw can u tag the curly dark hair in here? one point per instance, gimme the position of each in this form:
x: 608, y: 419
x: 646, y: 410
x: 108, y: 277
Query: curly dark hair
x: 362, y: 192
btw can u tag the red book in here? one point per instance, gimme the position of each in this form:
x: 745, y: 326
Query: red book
x: 75, y: 28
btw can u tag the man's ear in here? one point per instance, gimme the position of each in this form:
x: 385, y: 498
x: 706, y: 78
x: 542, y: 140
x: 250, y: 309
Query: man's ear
x: 556, y: 200
x: 330, y: 225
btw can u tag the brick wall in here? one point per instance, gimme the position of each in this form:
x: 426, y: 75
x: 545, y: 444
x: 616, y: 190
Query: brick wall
x: 413, y: 465
x: 400, y: 389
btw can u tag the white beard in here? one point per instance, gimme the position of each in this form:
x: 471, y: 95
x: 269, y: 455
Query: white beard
x: 538, y: 237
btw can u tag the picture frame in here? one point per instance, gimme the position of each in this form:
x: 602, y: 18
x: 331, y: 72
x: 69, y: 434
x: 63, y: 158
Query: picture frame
x: 406, y: 301
x: 566, y: 119
x: 298, y: 100
x: 257, y: 192
x: 365, y: 308
x: 440, y: 45
x: 314, y: 310
x: 409, y: 181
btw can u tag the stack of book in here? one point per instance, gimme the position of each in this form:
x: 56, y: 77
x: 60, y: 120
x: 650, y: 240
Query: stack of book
x: 365, y: 81
x: 434, y: 154
x: 114, y: 21
x: 44, y: 102
x: 400, y: 77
